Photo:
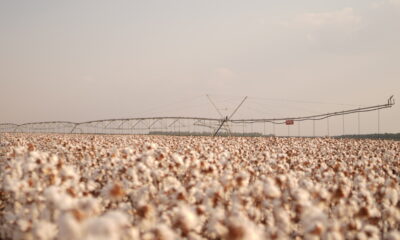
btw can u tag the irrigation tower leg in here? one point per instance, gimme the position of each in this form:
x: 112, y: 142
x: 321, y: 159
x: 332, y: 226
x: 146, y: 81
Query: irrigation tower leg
x: 358, y: 122
x: 327, y: 126
x: 343, y: 124
x: 298, y: 129
x: 264, y: 128
x: 273, y: 128
x: 313, y: 122
x: 379, y: 122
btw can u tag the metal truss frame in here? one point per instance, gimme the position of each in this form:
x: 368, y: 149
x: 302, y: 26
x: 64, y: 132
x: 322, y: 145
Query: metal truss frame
x: 146, y: 125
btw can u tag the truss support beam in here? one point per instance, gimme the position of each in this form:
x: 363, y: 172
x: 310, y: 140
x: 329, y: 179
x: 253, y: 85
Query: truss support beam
x: 217, y: 124
x: 154, y: 122
x: 237, y: 108
x: 134, y: 125
x: 173, y: 123
x: 220, y: 126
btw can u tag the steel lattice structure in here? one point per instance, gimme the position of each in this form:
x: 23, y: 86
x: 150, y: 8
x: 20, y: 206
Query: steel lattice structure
x: 172, y: 125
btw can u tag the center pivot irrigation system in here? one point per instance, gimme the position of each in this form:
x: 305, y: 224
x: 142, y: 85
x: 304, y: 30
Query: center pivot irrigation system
x: 185, y: 125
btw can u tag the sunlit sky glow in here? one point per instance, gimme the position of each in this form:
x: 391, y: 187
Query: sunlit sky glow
x: 87, y: 60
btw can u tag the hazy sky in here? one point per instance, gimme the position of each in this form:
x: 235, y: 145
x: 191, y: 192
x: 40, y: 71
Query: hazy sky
x: 87, y: 60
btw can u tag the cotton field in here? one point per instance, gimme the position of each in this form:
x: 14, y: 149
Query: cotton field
x: 163, y: 187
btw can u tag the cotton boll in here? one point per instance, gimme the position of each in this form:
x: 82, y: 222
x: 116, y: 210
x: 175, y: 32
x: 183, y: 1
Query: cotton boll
x: 171, y: 182
x: 391, y: 215
x: 68, y: 172
x: 18, y: 151
x: 302, y: 197
x: 314, y: 221
x: 58, y: 198
x: 323, y: 194
x: 271, y: 190
x: 101, y: 228
x: 178, y: 160
x: 145, y: 211
x: 369, y: 232
x: 44, y: 230
x: 114, y: 191
x: 23, y: 224
x: 89, y: 205
x: 282, y: 220
x: 242, y: 180
x: 11, y: 184
x: 34, y: 155
x: 30, y: 165
x: 241, y: 229
x: 148, y: 160
x: 392, y: 196
x: 91, y: 185
x: 69, y: 227
x: 150, y: 146
x: 130, y: 233
x: 393, y: 235
x: 334, y: 235
x: 215, y: 228
x: 52, y: 194
x: 112, y: 225
x: 163, y: 232
x: 118, y: 218
x: 185, y: 219
x: 126, y: 153
x: 53, y: 160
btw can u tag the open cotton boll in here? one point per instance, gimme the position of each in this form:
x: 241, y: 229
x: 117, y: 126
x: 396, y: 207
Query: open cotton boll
x: 30, y: 165
x: 35, y: 155
x: 215, y: 228
x: 112, y: 225
x: 44, y: 230
x: 69, y: 227
x: 68, y: 172
x: 113, y: 191
x: 332, y: 236
x: 242, y: 229
x: 89, y: 206
x: 224, y: 158
x: 242, y: 179
x: 178, y: 160
x: 91, y: 185
x: 101, y: 228
x: 393, y: 235
x: 282, y: 220
x: 369, y: 232
x: 171, y: 182
x: 150, y: 146
x: 163, y: 232
x: 52, y: 194
x: 302, y: 197
x: 11, y: 184
x: 185, y: 219
x: 314, y: 221
x: 271, y: 190
x: 145, y: 210
x: 392, y: 196
x: 130, y: 233
x: 118, y: 218
x: 148, y: 160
